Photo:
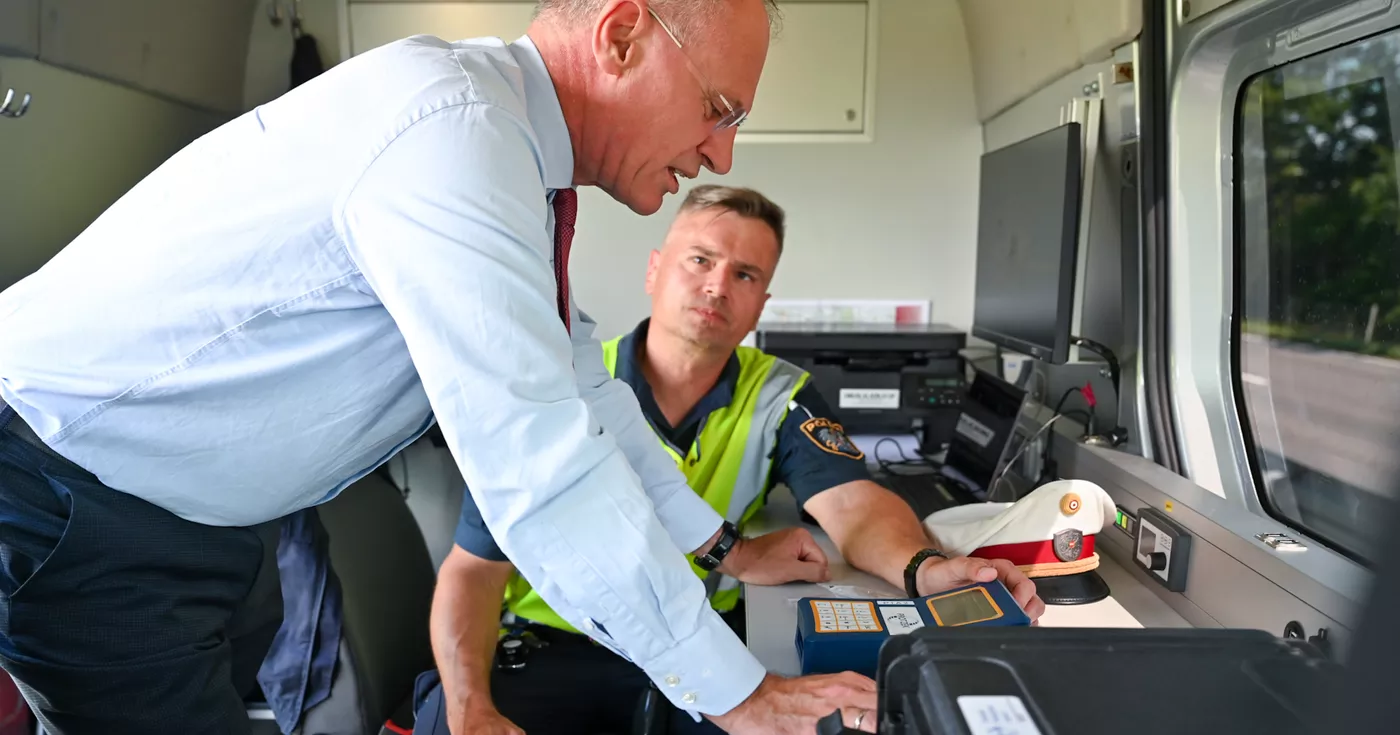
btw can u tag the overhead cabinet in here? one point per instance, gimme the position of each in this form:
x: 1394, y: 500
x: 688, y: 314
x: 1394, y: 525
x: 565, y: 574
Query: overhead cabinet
x: 19, y: 28
x: 193, y: 53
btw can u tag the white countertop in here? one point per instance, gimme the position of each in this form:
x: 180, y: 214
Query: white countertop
x: 771, y: 612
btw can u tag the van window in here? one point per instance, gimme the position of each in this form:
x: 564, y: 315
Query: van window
x: 1317, y: 277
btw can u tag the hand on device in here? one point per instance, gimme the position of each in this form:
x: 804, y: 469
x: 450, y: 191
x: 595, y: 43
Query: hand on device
x: 937, y: 575
x: 782, y: 706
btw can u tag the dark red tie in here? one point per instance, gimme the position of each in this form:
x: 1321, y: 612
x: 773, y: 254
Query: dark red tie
x: 565, y: 211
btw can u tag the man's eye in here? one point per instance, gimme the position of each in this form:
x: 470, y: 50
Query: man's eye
x: 699, y: 259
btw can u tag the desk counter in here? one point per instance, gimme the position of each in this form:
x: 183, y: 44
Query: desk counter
x: 771, y: 612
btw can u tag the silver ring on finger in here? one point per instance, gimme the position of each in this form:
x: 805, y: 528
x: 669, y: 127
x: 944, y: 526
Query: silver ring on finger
x: 860, y: 718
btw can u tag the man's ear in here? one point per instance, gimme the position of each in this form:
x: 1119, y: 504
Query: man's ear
x: 653, y: 263
x: 759, y: 317
x: 616, y: 30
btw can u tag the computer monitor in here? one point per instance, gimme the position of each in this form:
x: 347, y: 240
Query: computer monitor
x: 1027, y: 244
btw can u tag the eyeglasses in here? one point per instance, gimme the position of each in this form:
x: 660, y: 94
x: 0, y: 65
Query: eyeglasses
x: 732, y: 115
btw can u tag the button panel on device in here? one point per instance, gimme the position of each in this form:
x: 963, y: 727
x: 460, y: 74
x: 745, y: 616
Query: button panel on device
x: 840, y: 616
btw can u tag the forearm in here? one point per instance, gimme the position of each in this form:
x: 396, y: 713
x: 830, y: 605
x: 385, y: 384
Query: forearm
x: 875, y: 530
x: 888, y: 545
x: 466, y: 616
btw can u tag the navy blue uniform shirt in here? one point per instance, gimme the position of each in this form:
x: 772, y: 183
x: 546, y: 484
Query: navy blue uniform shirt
x: 800, y: 462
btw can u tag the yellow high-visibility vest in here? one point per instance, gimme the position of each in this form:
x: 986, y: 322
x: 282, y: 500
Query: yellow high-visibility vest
x: 728, y: 464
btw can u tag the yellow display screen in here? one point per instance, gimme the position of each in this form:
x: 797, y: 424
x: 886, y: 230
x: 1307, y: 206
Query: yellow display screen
x: 963, y: 607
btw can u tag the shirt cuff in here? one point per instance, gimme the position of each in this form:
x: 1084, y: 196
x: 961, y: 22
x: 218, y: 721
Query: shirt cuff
x: 710, y: 673
x: 688, y: 519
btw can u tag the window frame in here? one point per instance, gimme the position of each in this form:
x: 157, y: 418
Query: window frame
x: 1248, y: 422
x: 1212, y: 58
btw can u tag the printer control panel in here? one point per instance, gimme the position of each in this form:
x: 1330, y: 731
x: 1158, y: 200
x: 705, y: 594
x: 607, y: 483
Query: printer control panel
x: 933, y: 390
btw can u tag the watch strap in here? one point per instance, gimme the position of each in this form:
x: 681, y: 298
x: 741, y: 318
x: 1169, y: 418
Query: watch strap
x: 911, y: 572
x: 710, y: 561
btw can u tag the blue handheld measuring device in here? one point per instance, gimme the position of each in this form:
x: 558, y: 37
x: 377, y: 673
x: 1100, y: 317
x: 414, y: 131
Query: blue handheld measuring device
x: 843, y: 634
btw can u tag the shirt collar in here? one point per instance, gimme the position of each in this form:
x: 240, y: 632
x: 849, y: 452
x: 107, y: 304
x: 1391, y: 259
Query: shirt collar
x: 629, y: 371
x: 546, y: 115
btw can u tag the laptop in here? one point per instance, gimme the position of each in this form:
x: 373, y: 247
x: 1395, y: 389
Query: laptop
x: 981, y: 447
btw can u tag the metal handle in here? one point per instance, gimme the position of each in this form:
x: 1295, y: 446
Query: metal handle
x: 18, y: 112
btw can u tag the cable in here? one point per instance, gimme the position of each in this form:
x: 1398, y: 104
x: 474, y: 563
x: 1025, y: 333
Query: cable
x: 992, y: 487
x: 1078, y: 412
x: 1060, y: 406
x: 1108, y: 356
x: 1047, y: 461
x: 1118, y: 434
x: 886, y: 464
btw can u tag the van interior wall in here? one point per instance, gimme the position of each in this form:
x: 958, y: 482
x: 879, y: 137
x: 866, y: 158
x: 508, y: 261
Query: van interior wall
x: 82, y: 144
x: 1109, y: 287
x: 270, y: 46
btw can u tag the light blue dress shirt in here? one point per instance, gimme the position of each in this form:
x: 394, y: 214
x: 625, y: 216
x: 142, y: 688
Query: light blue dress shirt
x: 292, y: 298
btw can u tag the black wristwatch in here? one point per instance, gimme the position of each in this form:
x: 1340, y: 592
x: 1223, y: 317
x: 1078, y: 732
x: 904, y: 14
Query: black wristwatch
x: 911, y: 572
x: 728, y: 535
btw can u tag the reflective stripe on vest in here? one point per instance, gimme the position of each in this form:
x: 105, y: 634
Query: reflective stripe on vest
x: 728, y: 464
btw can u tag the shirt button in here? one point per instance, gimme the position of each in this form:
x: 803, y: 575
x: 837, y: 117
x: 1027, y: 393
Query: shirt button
x: 688, y: 698
x: 672, y: 680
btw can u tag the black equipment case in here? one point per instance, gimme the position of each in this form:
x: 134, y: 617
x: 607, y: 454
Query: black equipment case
x: 1090, y: 681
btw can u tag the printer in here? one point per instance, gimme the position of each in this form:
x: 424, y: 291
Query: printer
x: 880, y: 378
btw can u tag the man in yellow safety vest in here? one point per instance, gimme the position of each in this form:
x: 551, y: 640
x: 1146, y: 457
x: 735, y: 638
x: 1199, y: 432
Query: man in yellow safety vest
x: 737, y: 422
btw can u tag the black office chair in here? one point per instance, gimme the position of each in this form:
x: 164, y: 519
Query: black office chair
x: 387, y: 579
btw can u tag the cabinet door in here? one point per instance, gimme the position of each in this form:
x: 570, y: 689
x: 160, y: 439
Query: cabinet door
x: 19, y: 28
x: 193, y: 52
x: 813, y: 83
x: 375, y: 24
x: 815, y: 77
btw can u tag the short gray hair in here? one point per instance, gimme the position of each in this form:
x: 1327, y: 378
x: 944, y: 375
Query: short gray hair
x: 682, y: 15
x: 741, y: 201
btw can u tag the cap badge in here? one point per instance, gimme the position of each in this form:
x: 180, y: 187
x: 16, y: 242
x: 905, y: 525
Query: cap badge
x: 1069, y: 544
x: 1070, y: 504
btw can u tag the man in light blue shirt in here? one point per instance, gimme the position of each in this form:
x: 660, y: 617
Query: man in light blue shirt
x: 297, y: 295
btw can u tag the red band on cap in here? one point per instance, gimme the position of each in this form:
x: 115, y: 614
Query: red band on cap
x: 1033, y: 552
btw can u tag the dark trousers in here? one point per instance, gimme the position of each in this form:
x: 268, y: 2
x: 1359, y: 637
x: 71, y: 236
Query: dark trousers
x: 117, y: 616
x: 571, y: 686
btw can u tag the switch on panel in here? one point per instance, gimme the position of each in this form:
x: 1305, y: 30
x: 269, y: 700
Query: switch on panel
x: 1163, y: 548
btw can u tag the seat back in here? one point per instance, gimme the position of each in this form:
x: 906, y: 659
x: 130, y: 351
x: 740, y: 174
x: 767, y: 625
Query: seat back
x: 387, y: 579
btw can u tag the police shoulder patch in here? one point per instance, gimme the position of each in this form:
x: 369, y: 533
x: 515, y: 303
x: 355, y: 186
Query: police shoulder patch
x: 831, y: 438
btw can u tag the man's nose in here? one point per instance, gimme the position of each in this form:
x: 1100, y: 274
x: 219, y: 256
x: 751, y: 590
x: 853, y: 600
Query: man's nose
x: 717, y: 283
x: 718, y: 150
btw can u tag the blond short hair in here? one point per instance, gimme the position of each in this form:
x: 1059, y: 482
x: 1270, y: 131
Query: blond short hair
x: 741, y: 201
